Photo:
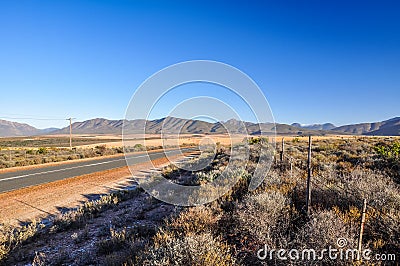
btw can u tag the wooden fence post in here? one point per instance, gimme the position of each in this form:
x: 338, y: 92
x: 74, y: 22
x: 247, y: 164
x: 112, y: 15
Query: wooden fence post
x: 275, y: 151
x: 359, y: 246
x: 308, y: 199
x: 282, y: 152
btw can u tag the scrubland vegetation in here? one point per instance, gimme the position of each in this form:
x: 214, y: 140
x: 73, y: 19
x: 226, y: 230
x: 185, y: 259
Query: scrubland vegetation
x: 131, y: 228
x: 54, y: 141
x: 23, y: 157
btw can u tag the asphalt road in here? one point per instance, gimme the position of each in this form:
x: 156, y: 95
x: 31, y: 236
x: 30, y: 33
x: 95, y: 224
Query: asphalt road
x: 19, y: 179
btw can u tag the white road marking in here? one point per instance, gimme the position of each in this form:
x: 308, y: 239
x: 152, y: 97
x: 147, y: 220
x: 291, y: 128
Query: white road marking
x: 58, y: 170
x: 80, y: 166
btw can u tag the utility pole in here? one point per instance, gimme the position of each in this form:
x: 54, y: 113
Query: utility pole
x: 308, y: 199
x: 70, y: 132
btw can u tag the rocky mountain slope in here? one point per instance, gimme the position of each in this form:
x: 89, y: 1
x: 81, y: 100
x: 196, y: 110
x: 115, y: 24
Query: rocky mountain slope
x: 188, y: 126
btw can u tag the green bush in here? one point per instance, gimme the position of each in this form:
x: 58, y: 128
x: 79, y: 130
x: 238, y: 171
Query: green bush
x: 253, y: 140
x: 42, y: 150
x: 389, y: 151
x: 139, y: 147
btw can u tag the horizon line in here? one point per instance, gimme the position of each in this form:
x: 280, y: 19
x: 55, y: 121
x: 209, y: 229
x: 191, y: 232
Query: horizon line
x: 197, y: 119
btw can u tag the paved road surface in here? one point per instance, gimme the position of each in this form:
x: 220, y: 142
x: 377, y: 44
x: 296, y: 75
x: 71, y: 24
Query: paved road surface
x: 25, y: 178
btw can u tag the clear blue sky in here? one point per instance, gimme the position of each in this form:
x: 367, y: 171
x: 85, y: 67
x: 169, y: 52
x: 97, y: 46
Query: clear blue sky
x: 316, y: 61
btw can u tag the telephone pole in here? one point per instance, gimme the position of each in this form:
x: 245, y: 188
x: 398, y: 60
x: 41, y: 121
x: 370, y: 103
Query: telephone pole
x: 70, y: 132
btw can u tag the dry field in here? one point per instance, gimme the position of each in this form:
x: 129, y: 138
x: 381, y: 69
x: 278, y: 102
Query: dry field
x: 132, y: 228
x: 172, y: 140
x: 58, y: 141
x: 20, y: 152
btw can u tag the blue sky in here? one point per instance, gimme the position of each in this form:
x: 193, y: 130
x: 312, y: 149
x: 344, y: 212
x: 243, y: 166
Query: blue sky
x: 316, y: 61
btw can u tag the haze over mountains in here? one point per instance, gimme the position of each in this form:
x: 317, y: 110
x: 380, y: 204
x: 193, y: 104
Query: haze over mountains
x: 176, y: 125
x: 326, y: 126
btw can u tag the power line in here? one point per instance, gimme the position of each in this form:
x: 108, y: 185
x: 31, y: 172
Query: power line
x: 28, y: 116
x: 31, y: 118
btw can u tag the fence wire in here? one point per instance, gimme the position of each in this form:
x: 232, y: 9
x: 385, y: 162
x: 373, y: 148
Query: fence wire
x: 338, y: 189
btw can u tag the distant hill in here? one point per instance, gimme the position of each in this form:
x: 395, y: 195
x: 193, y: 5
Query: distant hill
x: 188, y: 126
x: 180, y: 125
x: 94, y: 126
x: 326, y: 126
x: 11, y: 129
x: 48, y: 130
x: 15, y: 129
x: 105, y: 126
x: 389, y: 127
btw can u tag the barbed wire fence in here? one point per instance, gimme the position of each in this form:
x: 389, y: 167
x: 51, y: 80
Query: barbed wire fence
x: 297, y: 167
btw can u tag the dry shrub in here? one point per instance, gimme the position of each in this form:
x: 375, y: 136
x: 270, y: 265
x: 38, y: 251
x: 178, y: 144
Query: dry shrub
x: 90, y: 209
x: 281, y: 183
x: 323, y: 230
x: 117, y: 240
x: 264, y: 218
x: 198, y: 249
x: 39, y: 259
x: 187, y: 239
x: 377, y: 188
x: 11, y: 238
x: 194, y: 220
x: 352, y: 215
x: 87, y: 211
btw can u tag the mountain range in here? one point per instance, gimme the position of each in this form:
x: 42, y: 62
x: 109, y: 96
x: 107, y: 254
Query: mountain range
x: 176, y: 125
x: 14, y: 129
x: 326, y: 126
x: 179, y: 125
x: 389, y: 127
